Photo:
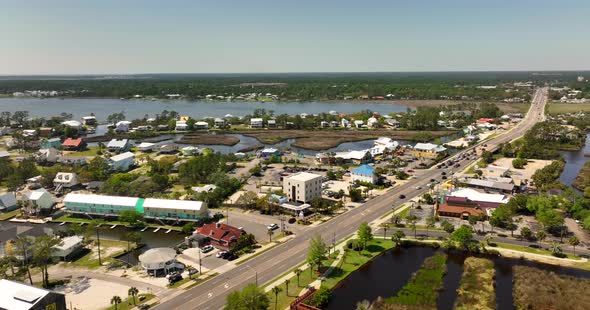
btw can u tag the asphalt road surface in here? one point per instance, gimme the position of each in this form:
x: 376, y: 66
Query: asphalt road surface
x: 271, y: 264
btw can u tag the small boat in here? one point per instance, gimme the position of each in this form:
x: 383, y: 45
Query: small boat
x: 62, y: 223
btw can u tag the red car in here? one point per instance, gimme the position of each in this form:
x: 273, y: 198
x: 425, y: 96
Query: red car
x: 410, y: 171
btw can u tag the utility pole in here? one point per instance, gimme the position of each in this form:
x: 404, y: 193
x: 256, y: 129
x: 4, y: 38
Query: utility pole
x: 200, y: 272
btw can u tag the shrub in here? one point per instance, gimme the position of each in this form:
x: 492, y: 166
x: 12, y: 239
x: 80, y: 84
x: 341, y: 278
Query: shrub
x: 292, y: 220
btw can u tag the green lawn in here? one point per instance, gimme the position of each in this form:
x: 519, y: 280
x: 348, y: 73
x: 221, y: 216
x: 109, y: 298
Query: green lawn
x: 9, y: 215
x: 90, y: 151
x: 127, y: 303
x: 91, y: 261
x: 562, y: 108
x: 305, y: 278
x: 199, y: 280
x: 530, y: 250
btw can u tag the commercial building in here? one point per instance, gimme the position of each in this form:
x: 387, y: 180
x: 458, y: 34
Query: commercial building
x: 303, y: 187
x: 364, y: 173
x: 20, y: 296
x: 428, y: 150
x: 160, y: 261
x: 491, y: 185
x: 112, y: 206
x: 219, y: 235
x: 459, y: 207
x: 186, y: 210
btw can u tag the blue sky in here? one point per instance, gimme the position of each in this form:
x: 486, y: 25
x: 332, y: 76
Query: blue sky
x: 77, y: 37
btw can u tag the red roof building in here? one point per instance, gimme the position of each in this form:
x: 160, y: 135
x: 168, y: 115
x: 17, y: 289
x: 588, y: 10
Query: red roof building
x: 72, y: 144
x: 219, y: 235
x: 461, y: 207
x: 485, y: 120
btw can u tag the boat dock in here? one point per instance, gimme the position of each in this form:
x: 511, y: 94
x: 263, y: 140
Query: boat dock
x: 157, y: 229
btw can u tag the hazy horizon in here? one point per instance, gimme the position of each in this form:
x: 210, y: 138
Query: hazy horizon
x: 66, y: 37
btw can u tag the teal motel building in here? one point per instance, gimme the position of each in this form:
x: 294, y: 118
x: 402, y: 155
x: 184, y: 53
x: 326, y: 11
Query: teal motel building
x: 150, y: 208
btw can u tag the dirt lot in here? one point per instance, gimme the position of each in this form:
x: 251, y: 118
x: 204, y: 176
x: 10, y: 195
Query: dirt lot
x: 562, y: 108
x: 92, y: 294
x: 325, y: 139
x: 528, y: 171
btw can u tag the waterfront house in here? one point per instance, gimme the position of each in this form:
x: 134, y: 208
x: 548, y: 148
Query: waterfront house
x: 256, y: 123
x: 181, y: 126
x: 428, y: 150
x: 20, y: 296
x: 68, y: 248
x: 7, y: 202
x: 72, y: 124
x: 219, y: 122
x: 51, y: 143
x: 46, y: 155
x: 324, y: 124
x: 4, y: 154
x: 70, y: 144
x: 372, y: 122
x: 364, y: 173
x: 272, y: 123
x: 89, y: 120
x: 117, y: 146
x: 334, y: 124
x: 358, y: 123
x: 122, y: 162
x: 146, y: 147
x: 201, y: 125
x: 65, y: 180
x: 39, y: 200
x: 268, y: 152
x: 45, y: 132
x: 168, y: 149
x: 190, y: 151
x: 122, y: 126
x: 219, y: 235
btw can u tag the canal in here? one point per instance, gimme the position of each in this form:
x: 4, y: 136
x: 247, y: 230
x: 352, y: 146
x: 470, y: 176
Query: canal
x: 389, y: 272
x: 574, y: 161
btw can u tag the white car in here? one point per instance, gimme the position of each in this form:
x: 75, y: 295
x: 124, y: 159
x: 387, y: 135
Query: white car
x: 272, y: 226
x: 418, y: 187
x: 220, y: 254
x: 207, y: 248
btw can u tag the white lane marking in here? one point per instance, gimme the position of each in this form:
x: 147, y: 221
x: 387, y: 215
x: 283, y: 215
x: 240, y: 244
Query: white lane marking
x: 226, y: 285
x: 209, y: 295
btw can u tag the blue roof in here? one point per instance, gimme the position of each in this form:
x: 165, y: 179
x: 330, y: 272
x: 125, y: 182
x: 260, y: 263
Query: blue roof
x: 364, y: 170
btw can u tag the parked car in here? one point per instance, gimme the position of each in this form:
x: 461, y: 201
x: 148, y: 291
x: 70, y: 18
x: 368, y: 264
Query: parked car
x: 221, y: 254
x: 230, y: 256
x: 272, y: 226
x: 206, y: 249
x: 173, y: 278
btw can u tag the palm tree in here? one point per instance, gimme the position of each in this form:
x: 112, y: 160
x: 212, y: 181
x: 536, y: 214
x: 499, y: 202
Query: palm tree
x: 394, y: 220
x: 116, y: 300
x: 541, y: 235
x: 270, y: 233
x: 287, y: 286
x: 411, y: 220
x: 397, y: 237
x: 276, y: 290
x: 574, y: 241
x: 133, y: 291
x: 384, y: 226
x: 555, y: 248
x: 298, y: 273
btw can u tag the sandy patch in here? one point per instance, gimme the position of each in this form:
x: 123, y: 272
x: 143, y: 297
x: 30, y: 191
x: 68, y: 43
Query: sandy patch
x: 92, y: 294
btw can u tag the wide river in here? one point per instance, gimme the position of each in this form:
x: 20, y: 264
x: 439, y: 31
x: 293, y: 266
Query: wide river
x: 197, y: 109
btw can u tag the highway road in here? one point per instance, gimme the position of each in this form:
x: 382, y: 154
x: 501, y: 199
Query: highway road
x: 271, y: 264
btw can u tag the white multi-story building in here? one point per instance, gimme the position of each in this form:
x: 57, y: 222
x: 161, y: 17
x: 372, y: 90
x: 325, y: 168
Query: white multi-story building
x: 303, y: 187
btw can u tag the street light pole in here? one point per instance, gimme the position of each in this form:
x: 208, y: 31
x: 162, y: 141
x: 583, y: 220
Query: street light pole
x: 200, y: 272
x: 255, y: 273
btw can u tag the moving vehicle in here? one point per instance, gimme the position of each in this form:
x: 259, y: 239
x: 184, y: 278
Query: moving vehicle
x: 272, y: 226
x: 402, y: 196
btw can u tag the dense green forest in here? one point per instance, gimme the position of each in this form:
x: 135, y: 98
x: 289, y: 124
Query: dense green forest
x: 293, y: 86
